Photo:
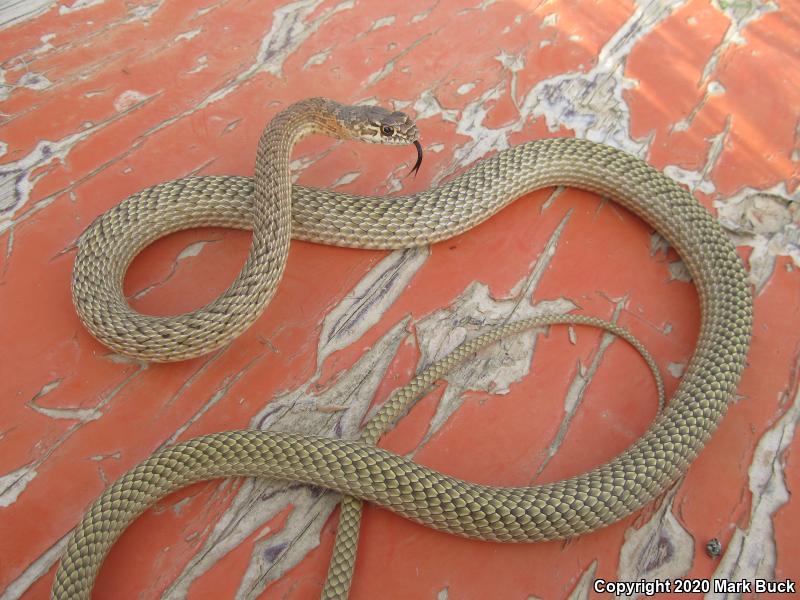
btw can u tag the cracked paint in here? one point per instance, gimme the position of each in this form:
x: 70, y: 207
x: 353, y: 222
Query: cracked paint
x: 259, y: 501
x: 14, y: 483
x: 100, y: 99
x: 585, y: 583
x: 752, y: 552
x: 496, y: 368
x: 364, y: 305
x: 769, y: 222
x: 661, y: 548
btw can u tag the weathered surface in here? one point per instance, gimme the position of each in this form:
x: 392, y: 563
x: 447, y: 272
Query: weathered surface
x: 100, y: 98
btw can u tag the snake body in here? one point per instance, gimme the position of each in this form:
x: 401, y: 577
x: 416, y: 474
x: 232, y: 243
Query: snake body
x: 277, y: 211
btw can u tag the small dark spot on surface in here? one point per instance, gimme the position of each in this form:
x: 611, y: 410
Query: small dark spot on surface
x: 714, y: 548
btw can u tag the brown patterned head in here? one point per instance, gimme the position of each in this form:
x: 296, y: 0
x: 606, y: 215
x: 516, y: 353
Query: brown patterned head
x: 378, y: 125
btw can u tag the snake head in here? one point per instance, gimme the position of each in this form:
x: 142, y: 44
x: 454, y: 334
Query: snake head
x: 378, y: 125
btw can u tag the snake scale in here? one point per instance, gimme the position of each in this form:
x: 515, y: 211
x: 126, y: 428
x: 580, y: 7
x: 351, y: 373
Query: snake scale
x: 277, y: 211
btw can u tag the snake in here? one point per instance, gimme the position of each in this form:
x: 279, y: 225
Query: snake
x: 277, y: 211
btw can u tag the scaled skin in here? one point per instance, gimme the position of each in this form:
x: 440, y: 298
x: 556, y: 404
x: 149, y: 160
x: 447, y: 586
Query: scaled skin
x: 104, y: 99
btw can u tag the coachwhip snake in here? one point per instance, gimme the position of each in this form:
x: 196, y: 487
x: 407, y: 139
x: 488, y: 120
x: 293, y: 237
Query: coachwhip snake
x: 276, y: 211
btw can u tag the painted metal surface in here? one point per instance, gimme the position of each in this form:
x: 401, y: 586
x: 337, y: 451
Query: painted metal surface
x: 100, y: 98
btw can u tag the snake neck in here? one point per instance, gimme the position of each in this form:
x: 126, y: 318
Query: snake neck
x: 297, y: 121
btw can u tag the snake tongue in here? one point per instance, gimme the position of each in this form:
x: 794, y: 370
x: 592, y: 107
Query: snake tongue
x: 415, y: 168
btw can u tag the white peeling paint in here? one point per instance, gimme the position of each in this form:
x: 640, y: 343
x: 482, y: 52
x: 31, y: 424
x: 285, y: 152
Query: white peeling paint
x: 127, y: 99
x: 201, y: 63
x: 78, y: 5
x: 346, y: 178
x: 584, y: 587
x: 659, y: 549
x: 291, y: 27
x: 143, y: 13
x: 465, y: 88
x: 366, y: 303
x: 12, y: 13
x: 14, y: 483
x: 494, y: 369
x: 678, y: 271
x: 34, y: 571
x: 752, y: 552
x: 188, y: 35
x: 257, y: 500
x: 318, y: 58
x: 741, y: 15
x: 766, y: 220
x: 45, y: 45
x: 34, y: 81
x: 691, y: 179
x: 427, y: 106
x: 382, y: 22
x: 75, y: 414
x: 592, y: 104
x: 676, y: 369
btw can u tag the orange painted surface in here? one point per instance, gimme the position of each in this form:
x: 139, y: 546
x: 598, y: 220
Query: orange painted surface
x: 101, y: 98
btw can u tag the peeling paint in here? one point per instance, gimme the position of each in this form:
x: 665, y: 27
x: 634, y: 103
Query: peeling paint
x: 345, y: 179
x: 584, y: 587
x: 676, y: 369
x: 34, y: 81
x: 410, y: 61
x: 257, y: 501
x: 83, y: 415
x: 14, y: 483
x: 318, y: 58
x: 591, y: 104
x: 504, y: 363
x: 766, y: 220
x: 35, y: 570
x: 290, y: 28
x: 576, y: 391
x: 188, y: 35
x: 18, y: 178
x: 190, y: 251
x: 368, y: 300
x: 78, y: 5
x: 127, y: 99
x: 660, y: 549
x: 751, y: 552
x: 13, y: 13
x: 741, y: 14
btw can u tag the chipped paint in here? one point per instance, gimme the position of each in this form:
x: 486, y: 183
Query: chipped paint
x: 752, y: 552
x: 585, y: 584
x: 14, y: 483
x: 257, y: 501
x: 13, y: 13
x: 127, y: 99
x: 504, y: 363
x: 659, y: 549
x: 363, y: 306
x: 100, y: 99
x: 64, y: 9
x: 769, y: 222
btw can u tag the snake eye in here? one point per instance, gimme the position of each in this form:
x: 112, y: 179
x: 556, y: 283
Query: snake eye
x: 387, y: 130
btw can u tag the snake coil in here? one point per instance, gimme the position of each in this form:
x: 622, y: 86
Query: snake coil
x: 276, y: 211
